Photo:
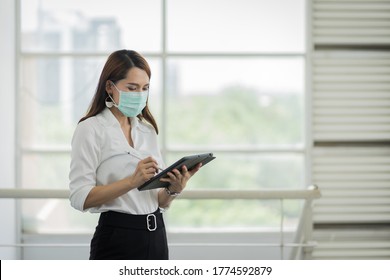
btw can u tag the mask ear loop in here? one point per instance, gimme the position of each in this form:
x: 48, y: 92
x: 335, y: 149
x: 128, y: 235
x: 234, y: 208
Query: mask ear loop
x: 109, y: 102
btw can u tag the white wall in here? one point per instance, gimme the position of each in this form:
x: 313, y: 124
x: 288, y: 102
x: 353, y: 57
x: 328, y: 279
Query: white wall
x: 9, y: 233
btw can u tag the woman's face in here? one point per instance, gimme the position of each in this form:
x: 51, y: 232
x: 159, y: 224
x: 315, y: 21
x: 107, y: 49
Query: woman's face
x: 136, y: 80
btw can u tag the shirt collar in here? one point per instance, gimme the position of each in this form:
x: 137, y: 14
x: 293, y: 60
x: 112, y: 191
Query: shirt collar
x: 107, y: 118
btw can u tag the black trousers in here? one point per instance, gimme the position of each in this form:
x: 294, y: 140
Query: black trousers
x: 121, y: 236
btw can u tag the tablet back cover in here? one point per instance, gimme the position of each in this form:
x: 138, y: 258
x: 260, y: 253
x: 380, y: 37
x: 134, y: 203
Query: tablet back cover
x: 189, y: 161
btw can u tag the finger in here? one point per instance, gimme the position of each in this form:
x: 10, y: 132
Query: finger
x: 177, y: 173
x: 150, y: 165
x: 147, y: 176
x: 171, y: 175
x: 186, y: 174
x: 148, y: 160
x: 168, y: 180
x: 171, y: 179
x: 151, y: 170
x: 196, y: 169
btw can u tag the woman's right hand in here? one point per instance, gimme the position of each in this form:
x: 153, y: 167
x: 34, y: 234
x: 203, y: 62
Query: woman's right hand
x: 99, y: 195
x: 146, y: 169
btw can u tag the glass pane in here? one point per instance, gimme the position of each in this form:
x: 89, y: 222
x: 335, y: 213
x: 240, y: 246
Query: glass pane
x: 155, y: 90
x: 56, y: 92
x: 232, y: 214
x: 55, y: 216
x: 45, y: 170
x: 249, y: 172
x: 236, y: 26
x: 89, y: 25
x: 254, y: 102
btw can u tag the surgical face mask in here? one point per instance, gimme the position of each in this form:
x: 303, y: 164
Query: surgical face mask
x: 131, y: 103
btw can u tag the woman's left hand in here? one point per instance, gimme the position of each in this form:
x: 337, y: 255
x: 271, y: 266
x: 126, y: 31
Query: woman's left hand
x: 178, y: 180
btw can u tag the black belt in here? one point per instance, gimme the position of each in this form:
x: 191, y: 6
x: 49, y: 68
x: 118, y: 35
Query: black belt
x: 149, y: 222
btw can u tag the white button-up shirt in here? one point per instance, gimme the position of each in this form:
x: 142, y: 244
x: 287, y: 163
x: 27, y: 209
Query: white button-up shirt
x: 102, y: 155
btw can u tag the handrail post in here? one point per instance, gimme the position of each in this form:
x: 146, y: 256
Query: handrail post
x: 281, y: 230
x: 304, y: 230
x: 308, y: 229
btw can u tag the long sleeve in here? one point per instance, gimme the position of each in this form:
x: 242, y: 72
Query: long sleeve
x: 85, y: 159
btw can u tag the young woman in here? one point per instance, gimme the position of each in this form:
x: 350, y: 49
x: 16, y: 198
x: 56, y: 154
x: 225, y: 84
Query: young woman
x: 114, y: 151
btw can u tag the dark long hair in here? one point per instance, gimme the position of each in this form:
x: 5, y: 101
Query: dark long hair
x: 115, y: 69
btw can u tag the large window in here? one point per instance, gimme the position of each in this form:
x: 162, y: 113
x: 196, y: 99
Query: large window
x: 227, y: 77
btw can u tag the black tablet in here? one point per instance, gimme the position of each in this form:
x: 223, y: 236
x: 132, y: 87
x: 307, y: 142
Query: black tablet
x: 189, y: 161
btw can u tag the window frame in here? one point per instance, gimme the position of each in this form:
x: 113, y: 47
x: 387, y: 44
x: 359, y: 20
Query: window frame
x: 164, y: 55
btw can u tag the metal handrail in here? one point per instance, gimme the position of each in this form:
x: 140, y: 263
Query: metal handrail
x: 311, y: 193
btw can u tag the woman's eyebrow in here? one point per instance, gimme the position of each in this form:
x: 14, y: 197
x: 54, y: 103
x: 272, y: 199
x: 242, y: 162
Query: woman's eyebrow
x: 136, y: 84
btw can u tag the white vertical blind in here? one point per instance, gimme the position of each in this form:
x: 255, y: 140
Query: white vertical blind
x: 355, y: 184
x: 351, y: 109
x: 351, y: 22
x: 350, y: 85
x: 351, y: 96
